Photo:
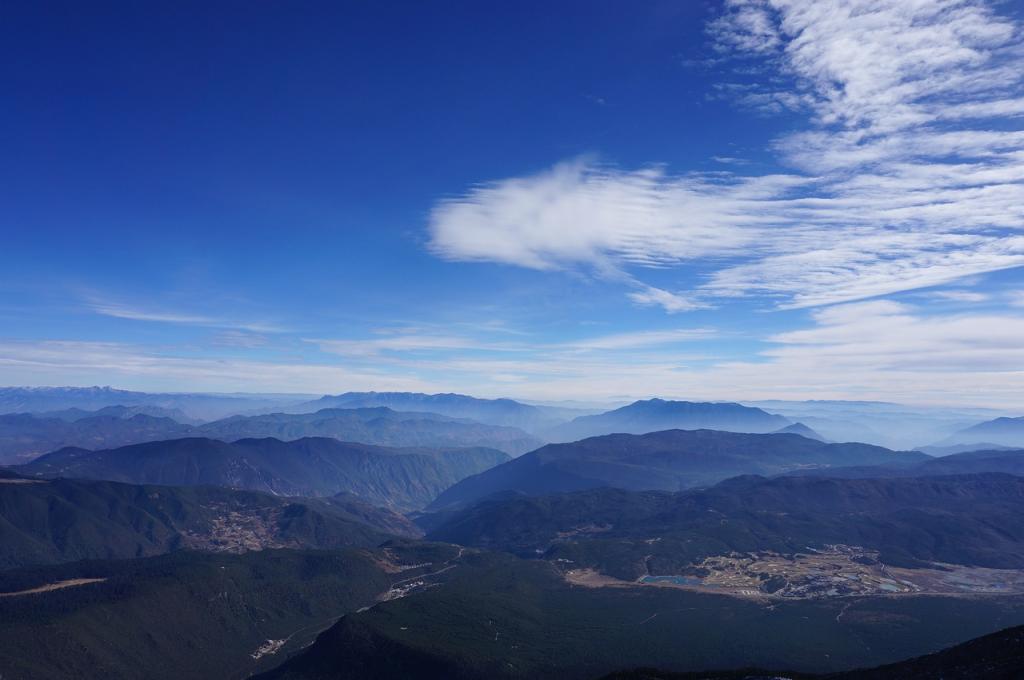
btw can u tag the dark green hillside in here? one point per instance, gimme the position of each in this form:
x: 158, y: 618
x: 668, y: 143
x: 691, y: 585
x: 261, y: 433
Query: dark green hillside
x: 498, y: 617
x: 185, y: 615
x: 406, y: 478
x: 999, y: 656
x: 973, y: 519
x: 43, y: 522
x: 669, y: 461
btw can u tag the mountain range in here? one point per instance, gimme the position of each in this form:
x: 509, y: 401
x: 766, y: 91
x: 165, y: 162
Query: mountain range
x: 652, y: 415
x: 378, y: 425
x: 400, y: 478
x: 198, y: 405
x: 25, y: 436
x: 802, y: 430
x: 894, y: 426
x: 120, y: 411
x: 669, y: 460
x: 999, y: 431
x: 506, y: 412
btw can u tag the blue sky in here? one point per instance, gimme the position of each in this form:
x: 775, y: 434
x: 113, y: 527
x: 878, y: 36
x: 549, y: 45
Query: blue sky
x: 583, y: 200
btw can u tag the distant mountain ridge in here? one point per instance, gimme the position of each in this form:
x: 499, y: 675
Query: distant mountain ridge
x: 670, y: 460
x: 653, y: 415
x: 24, y: 436
x: 120, y: 411
x: 198, y: 405
x: 802, y: 430
x: 380, y: 425
x: 506, y: 412
x: 1001, y: 431
x: 401, y: 478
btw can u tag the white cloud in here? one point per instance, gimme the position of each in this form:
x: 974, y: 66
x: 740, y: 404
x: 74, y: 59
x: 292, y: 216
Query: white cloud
x: 670, y: 302
x: 241, y: 339
x: 1016, y: 298
x: 581, y: 213
x: 122, y: 311
x: 637, y: 339
x: 910, y: 173
x: 877, y: 349
x: 396, y: 343
x: 888, y: 338
x: 959, y: 295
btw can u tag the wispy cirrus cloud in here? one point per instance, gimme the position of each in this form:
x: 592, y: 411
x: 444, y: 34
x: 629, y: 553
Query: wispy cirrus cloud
x: 959, y: 295
x: 640, y: 339
x: 909, y: 173
x: 398, y: 343
x: 1016, y: 298
x: 119, y: 310
x: 671, y: 302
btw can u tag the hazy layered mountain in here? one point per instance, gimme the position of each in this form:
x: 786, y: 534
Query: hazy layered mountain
x: 381, y: 425
x: 802, y: 430
x: 657, y: 414
x: 1000, y: 431
x: 201, y: 406
x: 498, y: 617
x: 24, y: 436
x: 49, y: 521
x: 492, y: 411
x: 965, y: 519
x: 403, y: 478
x: 898, y: 426
x: 119, y: 411
x: 669, y: 460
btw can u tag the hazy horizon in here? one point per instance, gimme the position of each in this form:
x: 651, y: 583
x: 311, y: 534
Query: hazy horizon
x: 611, y: 402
